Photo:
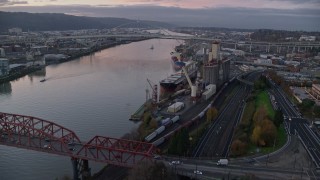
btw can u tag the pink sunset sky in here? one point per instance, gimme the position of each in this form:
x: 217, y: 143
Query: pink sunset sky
x: 277, y: 14
x: 190, y: 4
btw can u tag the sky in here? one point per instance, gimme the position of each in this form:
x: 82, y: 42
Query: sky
x: 271, y: 14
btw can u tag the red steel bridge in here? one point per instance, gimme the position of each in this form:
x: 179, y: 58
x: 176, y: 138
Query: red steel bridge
x: 36, y: 134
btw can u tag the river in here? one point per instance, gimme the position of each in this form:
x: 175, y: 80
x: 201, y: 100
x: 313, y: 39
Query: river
x: 91, y: 95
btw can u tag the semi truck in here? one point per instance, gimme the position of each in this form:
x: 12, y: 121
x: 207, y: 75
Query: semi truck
x: 222, y: 162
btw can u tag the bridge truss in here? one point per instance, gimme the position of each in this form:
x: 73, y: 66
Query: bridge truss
x: 33, y: 133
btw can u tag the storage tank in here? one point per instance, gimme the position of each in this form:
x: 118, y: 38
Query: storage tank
x: 175, y: 119
x: 150, y: 136
x: 160, y: 129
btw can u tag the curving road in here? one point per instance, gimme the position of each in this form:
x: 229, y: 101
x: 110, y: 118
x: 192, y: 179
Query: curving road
x: 298, y: 125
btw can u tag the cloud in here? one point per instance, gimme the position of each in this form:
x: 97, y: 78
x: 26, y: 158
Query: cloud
x: 9, y: 3
x: 299, y: 1
x: 247, y: 18
x: 198, y: 4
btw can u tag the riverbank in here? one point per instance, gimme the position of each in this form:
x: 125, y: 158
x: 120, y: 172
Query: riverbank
x: 79, y: 54
x: 98, y: 96
x: 19, y: 74
x: 72, y: 56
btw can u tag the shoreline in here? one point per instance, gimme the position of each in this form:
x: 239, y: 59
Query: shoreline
x: 31, y: 69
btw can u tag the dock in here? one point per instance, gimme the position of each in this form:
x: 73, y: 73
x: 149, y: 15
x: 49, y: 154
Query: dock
x: 137, y: 116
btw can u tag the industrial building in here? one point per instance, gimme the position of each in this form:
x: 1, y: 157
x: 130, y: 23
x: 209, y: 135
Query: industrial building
x: 2, y: 52
x: 15, y: 30
x: 225, y: 70
x: 216, y: 71
x: 4, y: 66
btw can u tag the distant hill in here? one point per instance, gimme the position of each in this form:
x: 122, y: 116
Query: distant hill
x: 55, y: 21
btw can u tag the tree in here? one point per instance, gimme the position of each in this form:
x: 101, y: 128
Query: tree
x: 133, y: 135
x: 278, y: 118
x: 148, y: 170
x: 211, y: 114
x: 179, y: 143
x: 146, y: 118
x: 316, y: 111
x: 260, y: 84
x: 256, y: 135
x: 238, y: 147
x: 268, y: 132
x: 307, y: 104
x: 153, y: 124
x: 260, y: 114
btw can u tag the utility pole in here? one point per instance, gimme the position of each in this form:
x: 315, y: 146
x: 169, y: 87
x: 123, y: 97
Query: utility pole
x: 196, y: 170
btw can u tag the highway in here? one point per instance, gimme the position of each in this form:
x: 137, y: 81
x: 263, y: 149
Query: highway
x: 298, y: 125
x: 212, y: 171
x: 209, y: 168
x: 216, y: 141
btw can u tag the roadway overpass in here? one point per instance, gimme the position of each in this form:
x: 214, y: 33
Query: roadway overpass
x: 293, y: 45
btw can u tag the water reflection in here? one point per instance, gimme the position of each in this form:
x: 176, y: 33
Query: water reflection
x: 92, y: 95
x: 5, y: 88
x: 40, y: 73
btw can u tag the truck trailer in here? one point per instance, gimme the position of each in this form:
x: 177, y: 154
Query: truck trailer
x: 222, y: 162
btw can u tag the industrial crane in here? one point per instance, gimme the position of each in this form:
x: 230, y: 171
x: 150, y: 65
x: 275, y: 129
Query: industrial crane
x: 192, y: 86
x: 154, y: 91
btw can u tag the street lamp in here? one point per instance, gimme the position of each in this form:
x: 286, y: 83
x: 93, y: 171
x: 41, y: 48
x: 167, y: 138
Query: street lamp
x: 190, y: 140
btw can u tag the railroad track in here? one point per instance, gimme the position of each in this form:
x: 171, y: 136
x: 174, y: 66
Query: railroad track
x: 216, y: 141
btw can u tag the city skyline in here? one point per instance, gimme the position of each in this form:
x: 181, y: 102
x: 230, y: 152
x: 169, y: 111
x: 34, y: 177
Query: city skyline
x: 252, y: 14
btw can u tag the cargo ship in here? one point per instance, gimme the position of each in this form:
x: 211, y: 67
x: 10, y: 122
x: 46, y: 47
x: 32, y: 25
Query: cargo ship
x: 172, y: 83
x: 177, y: 65
x: 177, y: 61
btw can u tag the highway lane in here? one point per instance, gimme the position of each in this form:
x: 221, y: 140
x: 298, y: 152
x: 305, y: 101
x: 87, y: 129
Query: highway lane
x: 211, y: 135
x: 212, y: 171
x: 216, y: 141
x: 298, y: 125
x: 309, y: 142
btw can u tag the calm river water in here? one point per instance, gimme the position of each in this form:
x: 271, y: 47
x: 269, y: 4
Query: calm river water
x: 92, y: 95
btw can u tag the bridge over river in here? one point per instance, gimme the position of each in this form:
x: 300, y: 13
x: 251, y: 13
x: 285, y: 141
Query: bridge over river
x: 36, y: 134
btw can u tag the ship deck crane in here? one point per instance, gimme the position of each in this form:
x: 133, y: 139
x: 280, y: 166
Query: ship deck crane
x: 192, y: 86
x: 154, y: 91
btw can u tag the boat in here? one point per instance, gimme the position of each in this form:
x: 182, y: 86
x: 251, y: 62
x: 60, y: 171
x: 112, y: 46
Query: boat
x: 176, y: 62
x: 151, y: 47
x: 42, y: 80
x: 177, y: 65
x: 171, y: 83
